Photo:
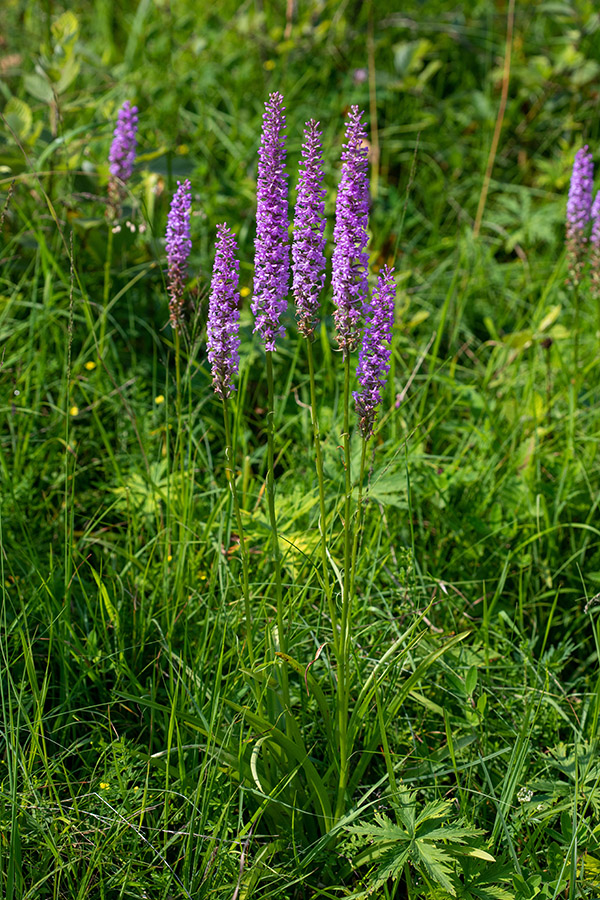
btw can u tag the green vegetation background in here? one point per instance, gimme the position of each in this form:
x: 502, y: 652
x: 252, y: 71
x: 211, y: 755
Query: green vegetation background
x: 121, y: 636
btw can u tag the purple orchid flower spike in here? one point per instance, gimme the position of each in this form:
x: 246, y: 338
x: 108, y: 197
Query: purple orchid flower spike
x: 271, y: 260
x: 374, y: 355
x: 122, y: 150
x: 350, y: 261
x: 308, y: 246
x: 579, y: 210
x: 223, y: 314
x: 179, y: 245
x: 121, y: 156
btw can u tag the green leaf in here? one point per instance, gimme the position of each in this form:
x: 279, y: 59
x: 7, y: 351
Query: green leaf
x: 519, y: 340
x: 471, y: 680
x: 481, y: 854
x: 68, y: 74
x: 65, y: 28
x: 19, y: 117
x: 550, y: 318
x: 39, y: 87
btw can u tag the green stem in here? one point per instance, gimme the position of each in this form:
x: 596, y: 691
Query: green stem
x: 271, y: 501
x: 358, y: 528
x: 106, y: 290
x: 282, y: 637
x: 576, y: 327
x: 343, y: 654
x: 345, y: 756
x: 321, y: 480
x: 179, y: 454
x: 229, y: 473
x: 347, y: 501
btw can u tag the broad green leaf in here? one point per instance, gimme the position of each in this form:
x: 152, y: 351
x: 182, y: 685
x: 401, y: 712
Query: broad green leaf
x: 19, y: 117
x: 39, y: 87
x: 65, y: 28
x: 471, y: 680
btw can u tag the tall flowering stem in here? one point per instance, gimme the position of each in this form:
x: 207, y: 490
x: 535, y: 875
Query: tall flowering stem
x: 121, y: 158
x: 372, y: 370
x: 350, y: 259
x: 223, y: 354
x: 579, y: 208
x: 271, y: 276
x: 308, y: 265
x: 223, y: 314
x: 271, y: 261
x: 178, y: 244
x: 349, y: 281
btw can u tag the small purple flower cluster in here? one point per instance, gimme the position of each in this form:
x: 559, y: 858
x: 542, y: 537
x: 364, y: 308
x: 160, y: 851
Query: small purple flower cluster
x: 579, y: 213
x: 179, y: 245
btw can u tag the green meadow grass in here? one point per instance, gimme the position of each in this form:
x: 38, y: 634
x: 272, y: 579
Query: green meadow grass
x: 141, y: 755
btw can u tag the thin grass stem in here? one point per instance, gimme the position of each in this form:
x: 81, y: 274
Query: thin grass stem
x: 106, y: 290
x: 321, y: 480
x: 231, y: 481
x: 343, y: 654
x: 281, y: 634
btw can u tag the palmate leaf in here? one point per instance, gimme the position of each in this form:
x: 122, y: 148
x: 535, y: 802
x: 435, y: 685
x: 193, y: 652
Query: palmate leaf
x: 430, y: 845
x: 438, y: 864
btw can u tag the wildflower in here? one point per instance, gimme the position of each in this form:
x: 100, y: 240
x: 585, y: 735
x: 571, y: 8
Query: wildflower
x: 121, y: 158
x: 349, y: 263
x: 223, y: 314
x: 309, y: 224
x: 122, y: 151
x: 160, y: 399
x: 90, y: 365
x: 579, y: 206
x: 104, y: 785
x: 178, y: 245
x: 271, y: 260
x: 74, y: 411
x: 374, y: 355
